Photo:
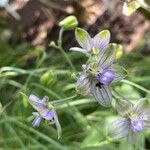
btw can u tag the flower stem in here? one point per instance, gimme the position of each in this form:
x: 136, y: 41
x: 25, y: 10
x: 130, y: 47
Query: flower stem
x: 59, y: 42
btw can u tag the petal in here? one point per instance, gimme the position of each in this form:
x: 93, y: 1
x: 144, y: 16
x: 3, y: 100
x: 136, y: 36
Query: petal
x: 142, y: 108
x: 108, y: 58
x: 120, y: 72
x: 134, y: 138
x: 77, y: 49
x: 101, y: 41
x: 102, y: 95
x: 123, y: 107
x: 142, y: 105
x: 83, y: 85
x: 58, y: 126
x: 147, y: 123
x: 34, y: 98
x: 83, y: 39
x: 36, y: 103
x: 119, y: 129
x: 36, y: 122
x: 40, y: 106
x: 49, y: 115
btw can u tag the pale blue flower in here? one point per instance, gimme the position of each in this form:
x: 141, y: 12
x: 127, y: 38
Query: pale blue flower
x: 44, y: 111
x: 96, y: 77
x: 135, y: 118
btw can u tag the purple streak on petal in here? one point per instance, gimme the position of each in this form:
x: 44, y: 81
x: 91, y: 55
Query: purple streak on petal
x: 83, y: 85
x: 36, y: 122
x: 107, y: 59
x: 110, y: 58
x: 100, y: 42
x: 137, y: 125
x: 102, y: 94
x: 119, y: 128
x: 105, y: 77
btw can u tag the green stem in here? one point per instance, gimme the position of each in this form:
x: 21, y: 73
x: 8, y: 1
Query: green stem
x: 60, y: 37
x: 67, y: 58
x: 107, y: 141
x: 59, y: 42
x: 136, y: 85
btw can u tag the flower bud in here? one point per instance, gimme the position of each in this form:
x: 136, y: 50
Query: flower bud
x: 48, y: 78
x: 69, y: 23
x: 52, y: 44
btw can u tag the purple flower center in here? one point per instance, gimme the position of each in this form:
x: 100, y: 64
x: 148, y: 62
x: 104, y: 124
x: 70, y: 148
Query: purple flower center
x: 105, y: 77
x: 49, y: 115
x: 137, y: 125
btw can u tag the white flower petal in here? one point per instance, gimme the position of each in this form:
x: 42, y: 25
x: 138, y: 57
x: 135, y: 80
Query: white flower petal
x: 119, y: 129
x: 83, y: 85
x: 77, y: 49
x: 83, y: 39
x: 101, y: 41
x: 102, y: 95
x: 123, y: 107
x: 107, y: 59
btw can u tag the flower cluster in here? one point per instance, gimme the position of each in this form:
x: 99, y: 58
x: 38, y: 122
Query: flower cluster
x: 100, y: 70
x: 96, y: 77
x: 44, y: 111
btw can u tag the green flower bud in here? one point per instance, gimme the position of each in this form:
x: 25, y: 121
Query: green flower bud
x: 69, y: 23
x: 48, y: 78
x: 52, y: 44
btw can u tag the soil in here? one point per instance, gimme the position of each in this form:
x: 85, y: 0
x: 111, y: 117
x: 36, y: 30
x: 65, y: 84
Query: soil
x: 39, y: 23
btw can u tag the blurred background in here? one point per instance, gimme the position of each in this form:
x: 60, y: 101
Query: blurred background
x: 29, y: 65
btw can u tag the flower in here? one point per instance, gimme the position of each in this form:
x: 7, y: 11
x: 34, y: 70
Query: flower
x: 89, y: 45
x: 97, y: 76
x: 44, y: 111
x: 69, y: 23
x: 135, y: 118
